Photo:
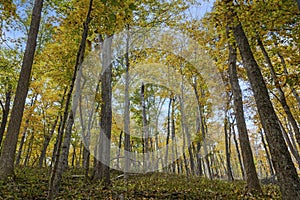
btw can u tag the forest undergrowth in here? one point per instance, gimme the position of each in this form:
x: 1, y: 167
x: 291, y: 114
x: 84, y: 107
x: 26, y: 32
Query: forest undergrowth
x: 32, y: 183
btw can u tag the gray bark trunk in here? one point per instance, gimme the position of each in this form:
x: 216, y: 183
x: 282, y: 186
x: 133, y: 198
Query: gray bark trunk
x: 251, y: 174
x: 285, y: 170
x: 57, y: 171
x: 126, y: 110
x: 267, y: 153
x: 8, y: 151
x: 102, y: 169
x: 282, y: 98
x: 145, y: 130
x: 5, y: 112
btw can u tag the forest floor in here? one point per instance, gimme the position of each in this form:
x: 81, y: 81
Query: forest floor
x: 32, y: 183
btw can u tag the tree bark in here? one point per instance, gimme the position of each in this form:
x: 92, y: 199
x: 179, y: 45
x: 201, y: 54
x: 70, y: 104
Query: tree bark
x: 282, y: 98
x: 102, y: 169
x: 238, y: 152
x: 251, y: 174
x: 285, y: 170
x: 227, y: 148
x: 267, y: 153
x: 57, y: 170
x: 5, y: 112
x: 145, y: 130
x: 46, y: 143
x: 127, y: 110
x: 168, y: 134
x: 8, y: 152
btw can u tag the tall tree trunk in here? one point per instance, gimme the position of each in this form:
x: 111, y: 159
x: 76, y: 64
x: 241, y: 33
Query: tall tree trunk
x: 102, y: 169
x: 33, y: 100
x: 72, y: 113
x: 282, y: 98
x: 127, y: 109
x: 238, y: 153
x: 285, y: 170
x: 145, y: 130
x: 227, y: 148
x: 46, y: 143
x: 8, y: 152
x: 202, y: 126
x: 29, y: 149
x: 294, y: 151
x: 174, y: 146
x: 18, y: 159
x: 5, y: 112
x: 282, y: 60
x: 251, y: 174
x: 185, y: 129
x: 168, y: 134
x: 267, y: 153
x: 57, y: 170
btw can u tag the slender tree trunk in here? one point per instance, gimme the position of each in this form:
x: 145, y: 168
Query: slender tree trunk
x: 174, y: 146
x: 46, y: 143
x: 127, y: 110
x: 251, y: 174
x: 185, y: 130
x: 285, y: 170
x: 5, y: 112
x: 290, y: 145
x: 102, y: 169
x: 29, y: 149
x: 202, y: 125
x: 282, y: 98
x: 18, y: 159
x: 227, y: 149
x: 74, y: 154
x: 55, y: 149
x: 267, y: 153
x: 72, y: 113
x: 119, y: 150
x: 57, y: 170
x: 145, y: 130
x: 238, y: 152
x: 282, y: 60
x: 168, y: 134
x: 8, y: 152
x: 33, y: 100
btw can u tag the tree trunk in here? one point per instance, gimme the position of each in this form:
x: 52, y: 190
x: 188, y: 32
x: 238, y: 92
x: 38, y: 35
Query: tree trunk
x: 8, y: 152
x: 127, y: 110
x: 290, y: 145
x: 238, y: 153
x: 282, y: 60
x: 227, y: 148
x: 29, y: 149
x: 46, y: 143
x: 33, y: 100
x: 57, y: 170
x: 102, y: 169
x: 145, y: 130
x: 267, y: 153
x: 18, y: 159
x: 251, y: 174
x: 285, y: 170
x: 282, y: 98
x: 5, y: 112
x: 168, y: 134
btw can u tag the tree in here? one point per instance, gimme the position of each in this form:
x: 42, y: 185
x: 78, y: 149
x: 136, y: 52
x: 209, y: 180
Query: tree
x: 10, y: 143
x: 60, y: 160
x: 285, y: 170
x: 251, y: 175
x: 102, y: 169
